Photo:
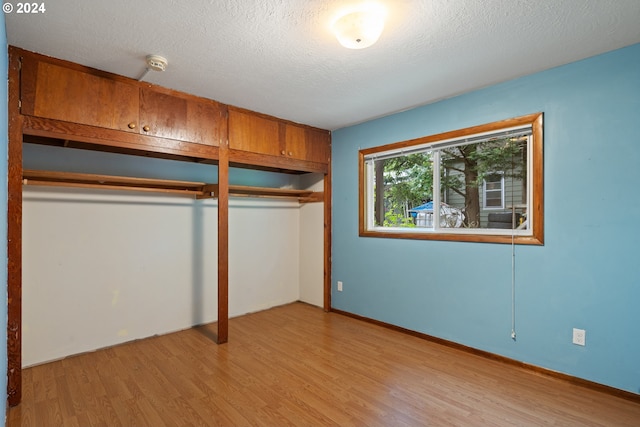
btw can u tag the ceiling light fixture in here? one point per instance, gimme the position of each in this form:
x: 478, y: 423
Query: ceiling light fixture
x: 360, y: 28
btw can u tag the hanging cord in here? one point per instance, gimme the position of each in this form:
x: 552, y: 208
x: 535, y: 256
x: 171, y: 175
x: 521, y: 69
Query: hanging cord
x: 513, y: 254
x: 513, y: 286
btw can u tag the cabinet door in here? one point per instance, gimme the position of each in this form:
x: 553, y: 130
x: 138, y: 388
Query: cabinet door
x: 181, y: 118
x: 295, y: 145
x: 304, y: 143
x: 253, y: 133
x: 55, y: 92
x: 318, y: 145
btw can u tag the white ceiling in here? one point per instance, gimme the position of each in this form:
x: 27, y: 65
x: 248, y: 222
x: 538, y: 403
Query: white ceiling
x: 279, y: 57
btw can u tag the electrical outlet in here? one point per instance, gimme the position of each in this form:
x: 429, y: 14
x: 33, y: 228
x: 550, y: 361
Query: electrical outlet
x: 579, y: 336
x: 339, y: 286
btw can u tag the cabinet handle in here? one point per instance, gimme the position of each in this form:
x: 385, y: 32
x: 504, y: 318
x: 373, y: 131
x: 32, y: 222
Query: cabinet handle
x: 132, y: 125
x: 146, y: 128
x: 290, y: 153
x: 283, y: 152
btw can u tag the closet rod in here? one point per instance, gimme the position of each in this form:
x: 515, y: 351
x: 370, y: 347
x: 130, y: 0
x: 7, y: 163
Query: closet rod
x: 191, y: 193
x: 111, y: 182
x: 243, y: 190
x: 199, y: 190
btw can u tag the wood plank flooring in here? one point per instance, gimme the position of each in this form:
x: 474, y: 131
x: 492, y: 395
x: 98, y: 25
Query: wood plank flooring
x: 296, y: 365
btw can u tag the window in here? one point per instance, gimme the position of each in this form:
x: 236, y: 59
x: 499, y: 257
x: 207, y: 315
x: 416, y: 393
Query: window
x: 493, y: 191
x: 481, y: 184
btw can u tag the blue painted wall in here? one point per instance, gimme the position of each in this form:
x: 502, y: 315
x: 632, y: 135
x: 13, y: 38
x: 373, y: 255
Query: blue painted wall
x: 4, y: 66
x: 587, y: 274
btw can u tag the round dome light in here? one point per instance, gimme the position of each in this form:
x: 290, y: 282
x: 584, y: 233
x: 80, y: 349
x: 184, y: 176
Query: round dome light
x: 359, y: 29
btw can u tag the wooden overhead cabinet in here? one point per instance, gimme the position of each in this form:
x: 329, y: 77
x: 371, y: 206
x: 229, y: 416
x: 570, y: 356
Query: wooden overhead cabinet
x: 280, y: 143
x: 55, y: 92
x: 253, y: 133
x: 305, y: 143
x: 181, y: 118
x: 83, y: 96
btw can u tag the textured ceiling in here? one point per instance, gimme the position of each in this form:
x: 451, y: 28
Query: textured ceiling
x: 279, y: 57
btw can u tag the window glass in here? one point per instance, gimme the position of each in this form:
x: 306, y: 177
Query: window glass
x: 400, y: 184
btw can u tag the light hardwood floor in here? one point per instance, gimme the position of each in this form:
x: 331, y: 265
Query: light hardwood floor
x: 296, y: 365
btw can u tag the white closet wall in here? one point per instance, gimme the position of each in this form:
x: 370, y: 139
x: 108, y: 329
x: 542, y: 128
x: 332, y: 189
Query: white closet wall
x: 312, y: 244
x: 104, y: 267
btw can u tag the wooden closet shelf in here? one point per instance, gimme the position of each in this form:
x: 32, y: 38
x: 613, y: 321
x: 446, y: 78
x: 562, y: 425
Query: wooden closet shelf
x: 111, y: 182
x: 199, y: 190
x: 242, y: 190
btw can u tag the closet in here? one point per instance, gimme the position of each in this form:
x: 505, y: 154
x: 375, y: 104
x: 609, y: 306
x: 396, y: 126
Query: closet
x: 57, y: 103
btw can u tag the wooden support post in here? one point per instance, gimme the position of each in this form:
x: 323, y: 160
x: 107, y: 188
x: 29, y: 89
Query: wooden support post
x: 223, y: 244
x: 14, y: 240
x: 327, y: 240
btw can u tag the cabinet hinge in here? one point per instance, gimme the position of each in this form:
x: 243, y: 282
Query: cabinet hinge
x: 20, y: 60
